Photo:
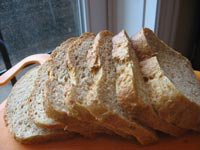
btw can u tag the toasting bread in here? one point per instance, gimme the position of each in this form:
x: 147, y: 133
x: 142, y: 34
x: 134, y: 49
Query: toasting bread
x: 173, y: 86
x: 101, y: 99
x: 17, y: 118
x: 131, y: 89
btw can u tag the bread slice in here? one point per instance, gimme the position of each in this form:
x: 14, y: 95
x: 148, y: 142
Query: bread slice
x: 76, y: 90
x: 173, y: 86
x: 36, y: 107
x: 101, y: 98
x: 131, y: 90
x: 17, y: 118
x: 54, y: 100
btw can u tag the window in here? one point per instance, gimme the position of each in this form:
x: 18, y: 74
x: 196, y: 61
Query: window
x: 38, y: 26
x: 30, y: 27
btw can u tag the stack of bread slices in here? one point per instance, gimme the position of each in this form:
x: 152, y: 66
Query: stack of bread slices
x: 110, y: 84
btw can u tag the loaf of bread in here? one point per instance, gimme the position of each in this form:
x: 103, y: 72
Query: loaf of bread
x: 108, y: 84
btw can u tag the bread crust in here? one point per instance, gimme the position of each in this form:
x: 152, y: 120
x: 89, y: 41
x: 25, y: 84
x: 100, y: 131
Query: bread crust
x: 175, y: 108
x: 97, y: 95
x: 131, y: 89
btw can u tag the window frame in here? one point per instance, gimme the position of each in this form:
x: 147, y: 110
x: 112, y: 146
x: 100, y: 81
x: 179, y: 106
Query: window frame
x: 108, y: 19
x: 91, y: 7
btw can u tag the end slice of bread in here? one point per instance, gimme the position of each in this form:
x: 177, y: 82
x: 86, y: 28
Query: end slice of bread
x: 131, y: 90
x: 173, y: 86
x: 101, y: 98
x: 17, y: 118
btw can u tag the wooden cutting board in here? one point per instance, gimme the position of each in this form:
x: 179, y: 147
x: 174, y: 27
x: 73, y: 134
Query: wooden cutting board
x: 190, y: 141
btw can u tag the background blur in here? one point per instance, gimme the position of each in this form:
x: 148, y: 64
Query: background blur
x: 38, y: 26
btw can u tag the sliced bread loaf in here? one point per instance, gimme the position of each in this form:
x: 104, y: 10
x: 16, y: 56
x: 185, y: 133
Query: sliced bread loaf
x: 54, y: 91
x: 131, y: 90
x: 36, y: 107
x: 101, y: 98
x: 173, y: 86
x: 17, y: 118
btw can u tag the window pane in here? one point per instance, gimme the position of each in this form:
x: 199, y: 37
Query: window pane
x: 2, y: 65
x: 37, y: 26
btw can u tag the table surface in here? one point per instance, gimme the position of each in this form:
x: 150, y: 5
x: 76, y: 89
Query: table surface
x: 190, y: 141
